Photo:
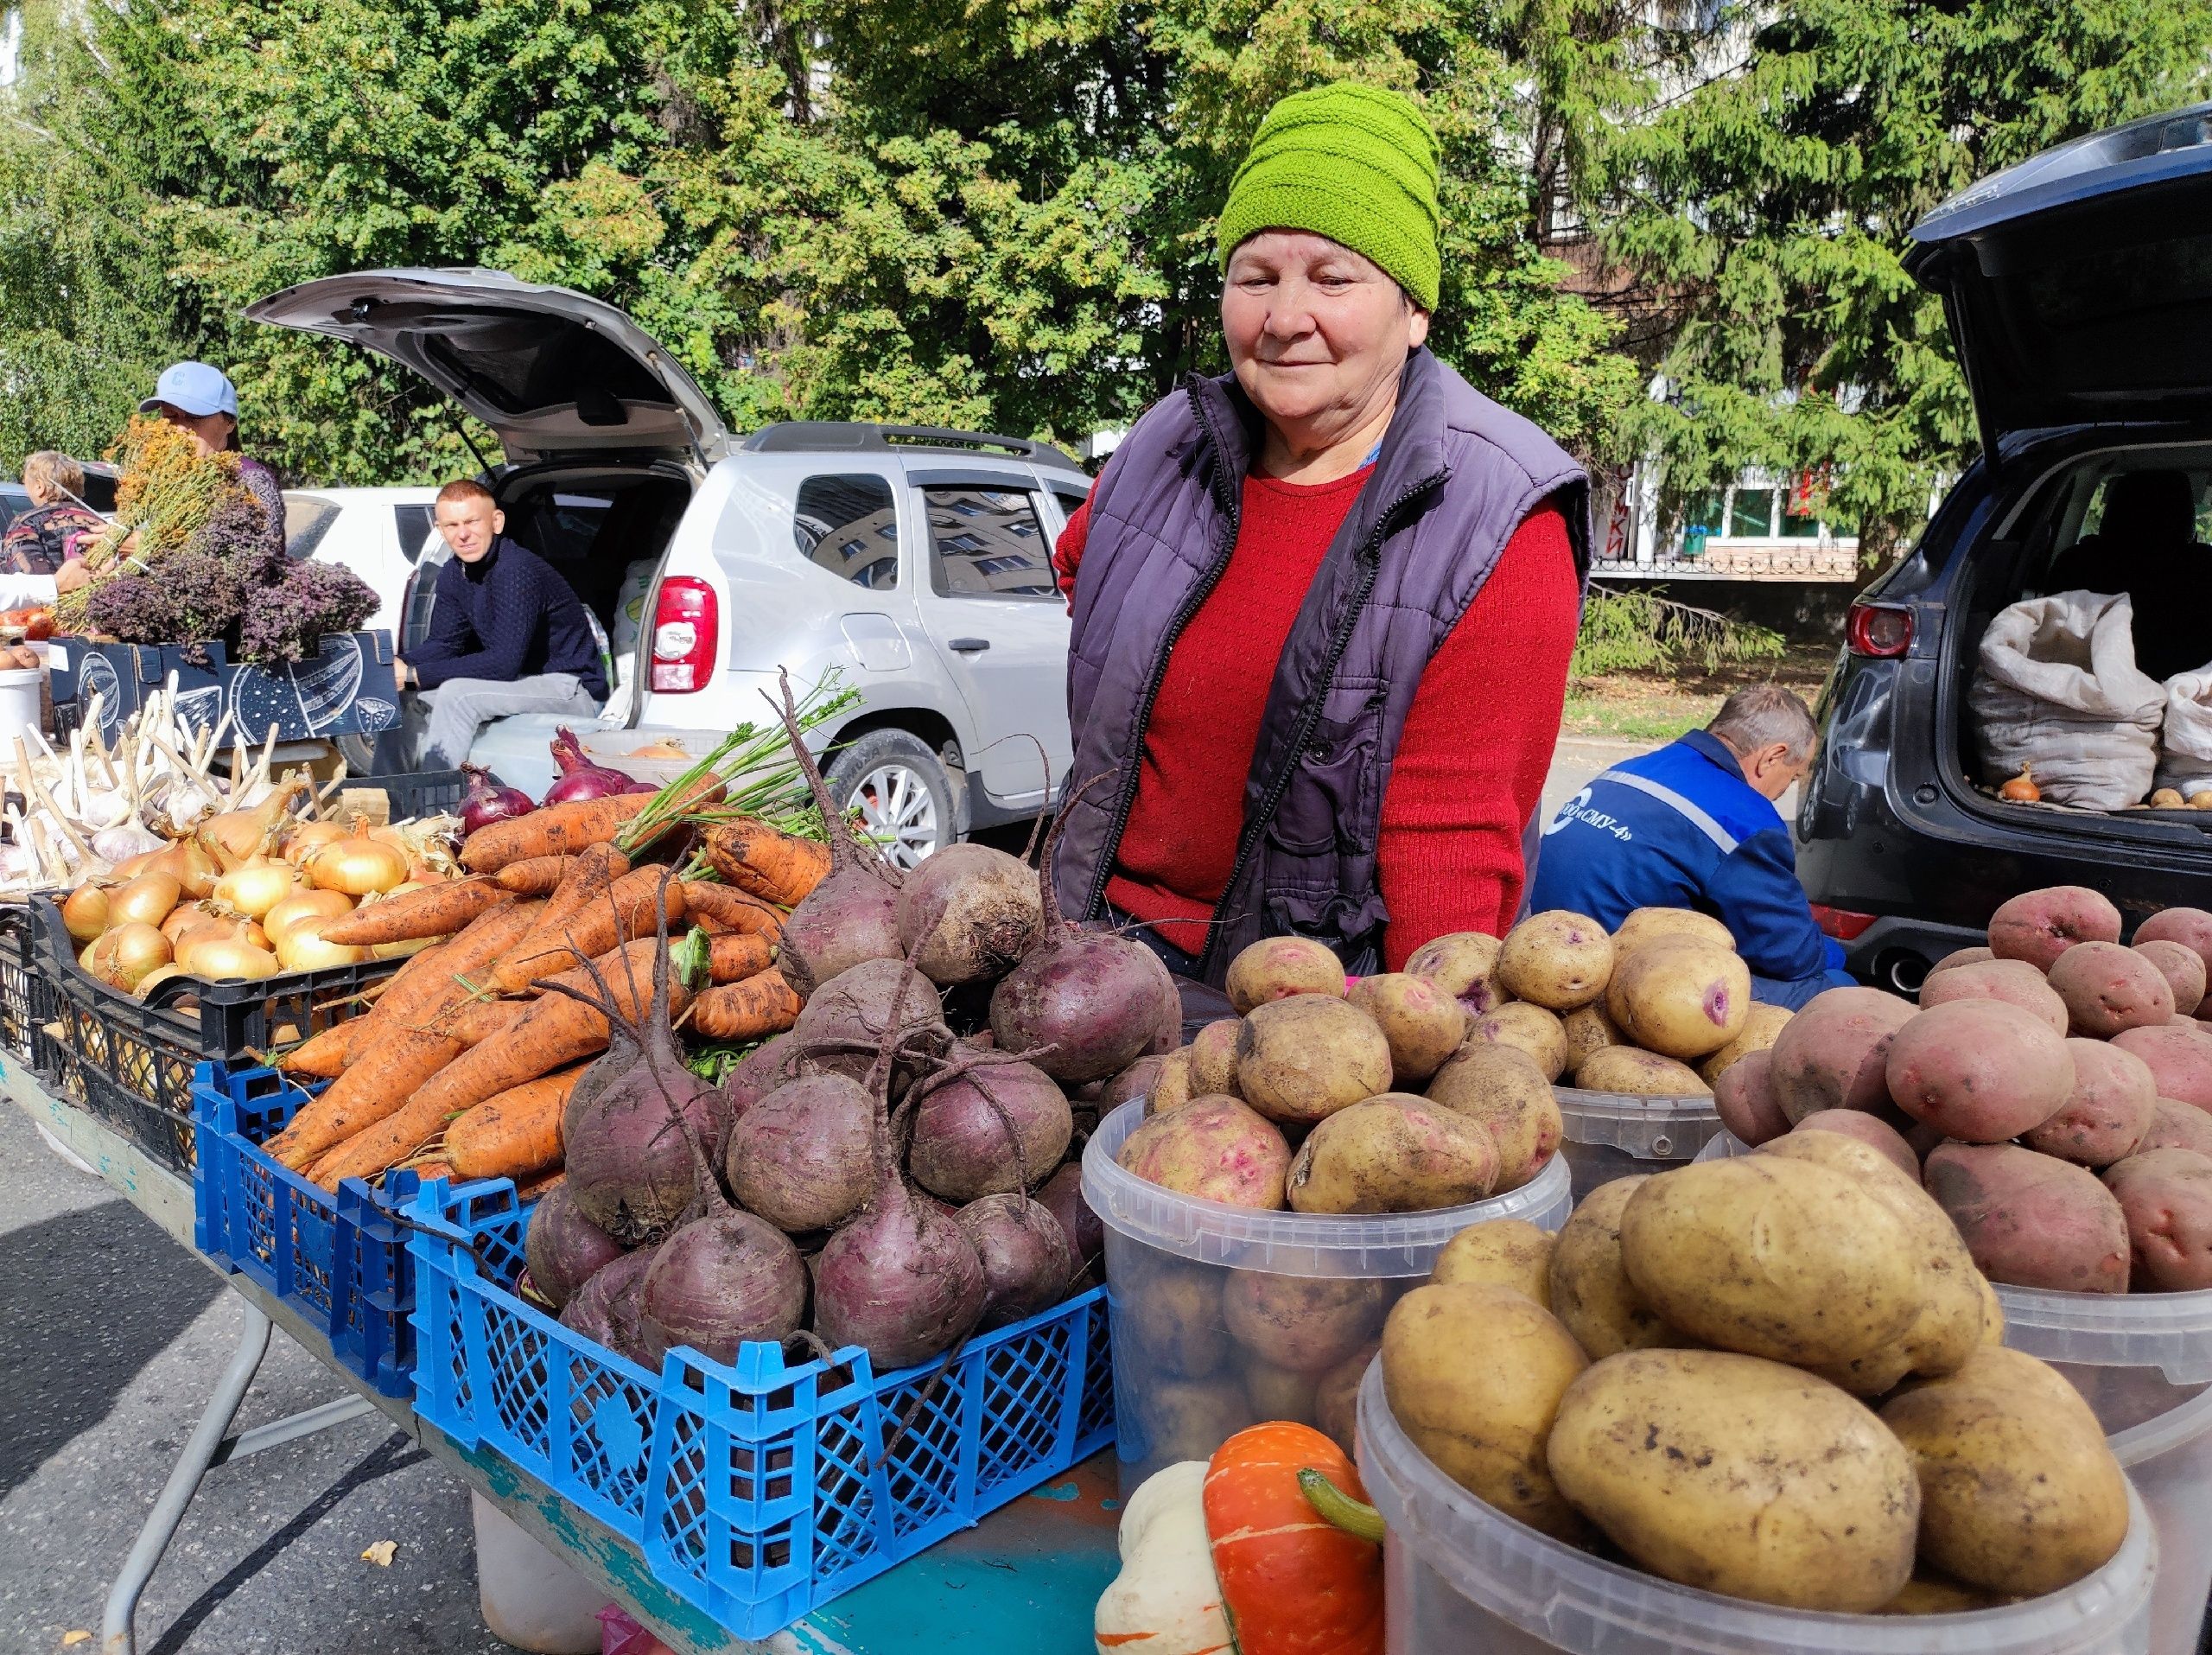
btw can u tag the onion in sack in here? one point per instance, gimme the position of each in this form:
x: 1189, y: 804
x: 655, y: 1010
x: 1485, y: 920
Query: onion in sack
x: 488, y: 801
x: 357, y: 865
x: 580, y: 777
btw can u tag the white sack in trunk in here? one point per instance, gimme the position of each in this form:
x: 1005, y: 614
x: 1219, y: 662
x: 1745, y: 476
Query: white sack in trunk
x: 2185, y: 743
x: 2056, y: 690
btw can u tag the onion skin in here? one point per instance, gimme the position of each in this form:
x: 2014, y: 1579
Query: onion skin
x: 195, y: 869
x: 126, y: 956
x: 148, y: 899
x: 580, y: 777
x: 357, y: 865
x: 227, y: 959
x: 322, y: 905
x: 256, y: 885
x: 487, y: 801
x: 308, y: 837
x: 85, y: 913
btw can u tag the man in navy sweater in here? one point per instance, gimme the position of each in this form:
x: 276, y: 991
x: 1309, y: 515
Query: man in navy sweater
x: 507, y: 635
x: 1693, y: 826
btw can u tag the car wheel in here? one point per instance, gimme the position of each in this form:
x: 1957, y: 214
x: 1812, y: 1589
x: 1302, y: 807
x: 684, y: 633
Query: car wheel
x: 359, y: 753
x: 901, y: 792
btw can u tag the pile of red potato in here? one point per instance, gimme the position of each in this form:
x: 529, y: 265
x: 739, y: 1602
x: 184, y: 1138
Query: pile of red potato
x: 2053, y: 1092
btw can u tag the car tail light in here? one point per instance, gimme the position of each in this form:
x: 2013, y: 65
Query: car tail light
x: 687, y: 632
x: 1883, y: 631
x: 1841, y: 923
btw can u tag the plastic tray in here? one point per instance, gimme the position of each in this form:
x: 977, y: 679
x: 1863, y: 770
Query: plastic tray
x: 1462, y: 1578
x: 1181, y: 1272
x: 761, y: 1491
x: 1609, y: 1135
x: 340, y: 1260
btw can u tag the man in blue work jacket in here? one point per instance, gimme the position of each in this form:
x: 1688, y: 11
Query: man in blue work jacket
x: 1693, y: 826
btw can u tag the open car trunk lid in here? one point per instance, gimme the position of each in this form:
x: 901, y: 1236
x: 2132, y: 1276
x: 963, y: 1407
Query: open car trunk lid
x: 549, y: 370
x: 2078, y: 285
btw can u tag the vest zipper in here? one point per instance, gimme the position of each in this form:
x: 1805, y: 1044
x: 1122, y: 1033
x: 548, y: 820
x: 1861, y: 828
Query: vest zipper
x: 1310, y: 715
x: 1231, y: 503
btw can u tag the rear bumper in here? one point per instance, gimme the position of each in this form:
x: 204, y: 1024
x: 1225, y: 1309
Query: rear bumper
x: 1895, y: 953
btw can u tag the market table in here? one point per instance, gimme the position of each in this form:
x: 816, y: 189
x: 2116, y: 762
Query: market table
x: 1024, y: 1578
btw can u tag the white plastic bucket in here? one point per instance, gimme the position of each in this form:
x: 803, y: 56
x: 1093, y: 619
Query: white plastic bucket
x: 531, y: 1598
x: 1183, y: 1382
x: 1609, y: 1135
x: 1462, y: 1578
x: 21, y: 714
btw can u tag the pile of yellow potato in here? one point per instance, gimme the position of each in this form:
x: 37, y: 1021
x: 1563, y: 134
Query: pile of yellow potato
x: 1778, y: 1377
x: 246, y: 896
x: 1629, y: 1012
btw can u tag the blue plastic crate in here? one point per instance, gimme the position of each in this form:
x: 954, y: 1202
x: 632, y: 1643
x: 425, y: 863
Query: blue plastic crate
x: 340, y: 1260
x: 759, y: 1492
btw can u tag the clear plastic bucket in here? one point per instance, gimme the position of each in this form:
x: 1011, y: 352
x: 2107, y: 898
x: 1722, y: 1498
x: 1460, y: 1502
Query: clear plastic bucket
x: 1223, y: 1316
x: 1462, y: 1578
x: 1609, y: 1135
x: 2144, y: 1362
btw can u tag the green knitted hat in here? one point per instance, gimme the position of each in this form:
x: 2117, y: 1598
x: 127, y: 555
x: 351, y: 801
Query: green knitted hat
x: 1353, y: 162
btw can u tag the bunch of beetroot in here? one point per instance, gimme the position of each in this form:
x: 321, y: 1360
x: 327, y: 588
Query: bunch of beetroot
x: 888, y: 1173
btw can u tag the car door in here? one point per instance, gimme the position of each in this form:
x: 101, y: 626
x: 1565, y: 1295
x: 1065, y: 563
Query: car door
x: 987, y: 604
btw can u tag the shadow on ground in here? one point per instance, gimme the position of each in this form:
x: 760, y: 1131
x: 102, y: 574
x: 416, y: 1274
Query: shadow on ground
x: 87, y: 1298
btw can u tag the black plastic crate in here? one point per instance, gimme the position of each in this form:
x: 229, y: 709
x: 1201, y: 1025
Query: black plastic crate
x: 431, y: 792
x: 115, y: 1052
x: 26, y: 1000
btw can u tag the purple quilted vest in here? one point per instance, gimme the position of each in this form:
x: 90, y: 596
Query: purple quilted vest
x: 1456, y: 475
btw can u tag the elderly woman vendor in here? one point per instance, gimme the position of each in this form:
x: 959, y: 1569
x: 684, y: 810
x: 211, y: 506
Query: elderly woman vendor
x: 1323, y: 605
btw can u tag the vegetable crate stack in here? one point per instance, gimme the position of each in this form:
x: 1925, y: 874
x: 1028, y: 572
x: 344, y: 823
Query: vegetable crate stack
x: 337, y: 1256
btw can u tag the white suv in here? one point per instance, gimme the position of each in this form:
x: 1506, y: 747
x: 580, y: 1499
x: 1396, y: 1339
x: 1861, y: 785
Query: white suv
x: 916, y: 561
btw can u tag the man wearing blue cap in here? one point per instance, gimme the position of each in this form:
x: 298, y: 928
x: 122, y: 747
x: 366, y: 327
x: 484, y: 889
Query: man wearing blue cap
x: 201, y: 400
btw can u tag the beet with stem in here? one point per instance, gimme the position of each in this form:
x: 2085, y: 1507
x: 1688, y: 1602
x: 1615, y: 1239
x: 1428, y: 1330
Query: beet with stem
x: 901, y: 1280
x: 721, y: 1282
x: 758, y: 1072
x: 987, y: 1130
x: 630, y: 1162
x: 968, y: 914
x: 852, y: 915
x: 1025, y: 1253
x: 847, y: 1016
x: 1096, y: 999
x: 564, y: 1249
x: 802, y: 1157
x: 1085, y: 1230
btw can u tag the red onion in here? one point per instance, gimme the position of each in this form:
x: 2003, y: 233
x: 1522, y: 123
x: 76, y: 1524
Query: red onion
x: 487, y: 801
x: 580, y: 777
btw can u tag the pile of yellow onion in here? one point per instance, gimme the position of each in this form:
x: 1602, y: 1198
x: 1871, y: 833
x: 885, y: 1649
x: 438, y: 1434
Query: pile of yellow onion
x: 224, y: 906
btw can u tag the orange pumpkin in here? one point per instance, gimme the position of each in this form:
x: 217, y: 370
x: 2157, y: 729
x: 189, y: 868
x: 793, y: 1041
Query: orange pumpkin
x: 1293, y: 1582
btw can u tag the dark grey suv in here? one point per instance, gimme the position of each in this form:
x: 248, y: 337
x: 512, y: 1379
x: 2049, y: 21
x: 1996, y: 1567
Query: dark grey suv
x: 2078, y: 288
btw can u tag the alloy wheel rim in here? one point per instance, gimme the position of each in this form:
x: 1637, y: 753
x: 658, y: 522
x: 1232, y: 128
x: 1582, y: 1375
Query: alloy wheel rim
x: 898, y: 812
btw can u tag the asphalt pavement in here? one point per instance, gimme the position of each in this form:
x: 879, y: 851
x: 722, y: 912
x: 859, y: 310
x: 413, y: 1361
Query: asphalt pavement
x: 111, y: 1337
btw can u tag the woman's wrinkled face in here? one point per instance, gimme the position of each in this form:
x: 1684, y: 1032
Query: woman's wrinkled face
x: 1315, y: 332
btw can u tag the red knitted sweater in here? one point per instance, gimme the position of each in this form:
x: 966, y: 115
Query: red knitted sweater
x: 1471, y: 762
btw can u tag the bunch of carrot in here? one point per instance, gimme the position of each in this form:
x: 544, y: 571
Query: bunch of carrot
x: 463, y: 1065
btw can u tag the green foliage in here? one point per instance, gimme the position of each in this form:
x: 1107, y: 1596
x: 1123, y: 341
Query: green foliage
x: 985, y: 213
x: 1636, y: 630
x: 1773, y: 203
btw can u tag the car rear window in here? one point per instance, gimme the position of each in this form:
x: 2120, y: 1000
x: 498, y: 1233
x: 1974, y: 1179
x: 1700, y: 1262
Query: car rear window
x: 849, y: 525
